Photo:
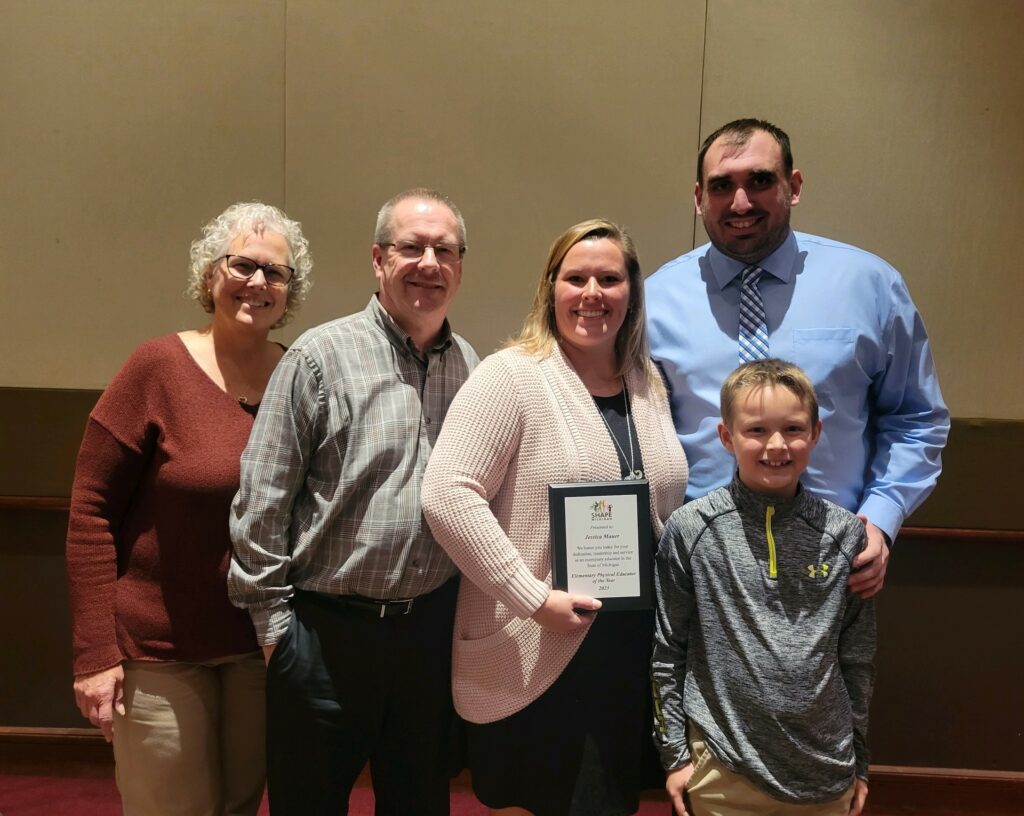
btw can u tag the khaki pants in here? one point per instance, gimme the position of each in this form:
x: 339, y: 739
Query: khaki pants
x: 191, y: 740
x: 714, y: 790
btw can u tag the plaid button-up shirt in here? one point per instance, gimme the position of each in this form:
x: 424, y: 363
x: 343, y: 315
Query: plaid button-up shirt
x: 330, y: 485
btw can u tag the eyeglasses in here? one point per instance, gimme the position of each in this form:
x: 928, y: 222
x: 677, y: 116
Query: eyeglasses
x: 243, y: 268
x: 413, y: 250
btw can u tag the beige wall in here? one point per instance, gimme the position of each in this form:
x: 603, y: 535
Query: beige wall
x: 127, y: 125
x: 907, y: 122
x: 530, y: 115
x: 124, y: 127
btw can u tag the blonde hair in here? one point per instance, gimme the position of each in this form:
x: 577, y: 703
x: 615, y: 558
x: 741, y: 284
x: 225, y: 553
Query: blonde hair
x: 762, y: 373
x: 540, y: 330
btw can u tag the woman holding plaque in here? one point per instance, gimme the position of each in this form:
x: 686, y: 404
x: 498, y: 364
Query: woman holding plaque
x: 555, y: 693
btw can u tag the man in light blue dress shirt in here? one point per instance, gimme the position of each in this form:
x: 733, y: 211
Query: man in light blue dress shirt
x: 842, y: 314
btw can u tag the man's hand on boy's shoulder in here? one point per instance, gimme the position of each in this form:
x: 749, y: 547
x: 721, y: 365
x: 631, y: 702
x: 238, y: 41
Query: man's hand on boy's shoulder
x: 860, y: 795
x: 675, y: 784
x: 871, y: 563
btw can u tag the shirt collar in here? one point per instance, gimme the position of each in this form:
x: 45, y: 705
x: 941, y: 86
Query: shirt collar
x: 747, y: 500
x: 399, y: 338
x: 779, y: 264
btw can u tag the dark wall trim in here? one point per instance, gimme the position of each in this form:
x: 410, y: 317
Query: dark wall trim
x: 916, y: 534
x: 41, y: 428
x: 34, y: 503
x: 899, y: 789
x: 922, y: 534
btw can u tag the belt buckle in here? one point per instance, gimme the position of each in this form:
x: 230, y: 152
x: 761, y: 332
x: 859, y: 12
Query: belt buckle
x: 409, y: 606
x: 385, y: 605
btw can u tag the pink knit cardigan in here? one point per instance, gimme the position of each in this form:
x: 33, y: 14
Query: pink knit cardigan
x: 518, y: 424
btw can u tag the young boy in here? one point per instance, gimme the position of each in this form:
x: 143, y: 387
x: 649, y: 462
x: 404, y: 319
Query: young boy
x: 762, y: 657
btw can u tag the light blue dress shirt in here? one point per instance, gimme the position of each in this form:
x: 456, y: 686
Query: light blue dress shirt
x: 844, y: 316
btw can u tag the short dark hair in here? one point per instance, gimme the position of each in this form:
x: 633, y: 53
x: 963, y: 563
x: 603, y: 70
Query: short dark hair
x: 738, y: 133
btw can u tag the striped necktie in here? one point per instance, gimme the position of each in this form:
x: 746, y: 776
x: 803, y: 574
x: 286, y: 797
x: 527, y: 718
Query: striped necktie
x: 753, y: 328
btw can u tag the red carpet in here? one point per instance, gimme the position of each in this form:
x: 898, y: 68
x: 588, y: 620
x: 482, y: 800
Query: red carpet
x: 46, y: 796
x: 52, y: 796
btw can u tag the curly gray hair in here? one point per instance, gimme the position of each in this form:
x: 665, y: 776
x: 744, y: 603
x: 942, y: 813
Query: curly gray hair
x: 242, y: 219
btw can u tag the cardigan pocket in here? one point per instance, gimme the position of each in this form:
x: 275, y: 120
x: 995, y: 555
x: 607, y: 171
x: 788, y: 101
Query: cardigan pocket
x: 493, y: 641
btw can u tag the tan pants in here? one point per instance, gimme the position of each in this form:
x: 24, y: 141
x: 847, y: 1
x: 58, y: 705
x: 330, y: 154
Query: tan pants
x: 714, y: 790
x: 191, y: 740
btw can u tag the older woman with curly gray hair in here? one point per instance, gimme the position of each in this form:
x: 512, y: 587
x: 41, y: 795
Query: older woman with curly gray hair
x: 163, y: 663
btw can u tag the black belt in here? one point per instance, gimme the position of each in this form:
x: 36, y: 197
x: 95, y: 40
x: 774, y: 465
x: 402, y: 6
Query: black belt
x: 371, y: 607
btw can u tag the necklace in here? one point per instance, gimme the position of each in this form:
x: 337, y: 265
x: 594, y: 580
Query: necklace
x: 634, y: 471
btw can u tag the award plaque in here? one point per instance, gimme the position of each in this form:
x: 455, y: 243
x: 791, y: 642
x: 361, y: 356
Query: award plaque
x: 601, y: 542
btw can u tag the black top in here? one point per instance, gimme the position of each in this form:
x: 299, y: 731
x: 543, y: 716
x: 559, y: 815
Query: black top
x: 613, y: 409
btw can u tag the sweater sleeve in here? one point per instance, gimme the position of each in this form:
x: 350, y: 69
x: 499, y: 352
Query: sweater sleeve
x: 481, y: 436
x: 675, y: 608
x: 107, y: 475
x: 857, y: 656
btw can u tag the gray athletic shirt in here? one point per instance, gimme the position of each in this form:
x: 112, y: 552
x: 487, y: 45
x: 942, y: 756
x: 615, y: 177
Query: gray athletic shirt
x: 759, y: 641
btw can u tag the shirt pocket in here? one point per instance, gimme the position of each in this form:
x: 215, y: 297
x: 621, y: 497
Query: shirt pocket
x: 829, y: 356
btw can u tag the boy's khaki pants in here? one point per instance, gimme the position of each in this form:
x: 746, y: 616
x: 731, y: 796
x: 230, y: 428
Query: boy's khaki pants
x: 714, y: 790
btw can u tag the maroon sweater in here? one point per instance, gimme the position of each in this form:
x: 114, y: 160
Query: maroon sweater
x: 148, y: 545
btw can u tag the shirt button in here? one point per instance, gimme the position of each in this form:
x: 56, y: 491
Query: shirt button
x: 426, y: 420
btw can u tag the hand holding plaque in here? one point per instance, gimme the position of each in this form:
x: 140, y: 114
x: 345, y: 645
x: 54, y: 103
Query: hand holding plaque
x: 562, y: 612
x: 601, y: 541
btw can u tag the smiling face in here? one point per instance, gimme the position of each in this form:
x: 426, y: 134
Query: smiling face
x: 745, y: 197
x: 591, y: 296
x: 251, y: 303
x: 771, y: 434
x: 417, y: 292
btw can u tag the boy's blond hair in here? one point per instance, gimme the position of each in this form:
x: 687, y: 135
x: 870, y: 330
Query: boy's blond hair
x: 762, y: 373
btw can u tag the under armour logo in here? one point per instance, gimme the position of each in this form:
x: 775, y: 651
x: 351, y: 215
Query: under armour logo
x: 820, y: 571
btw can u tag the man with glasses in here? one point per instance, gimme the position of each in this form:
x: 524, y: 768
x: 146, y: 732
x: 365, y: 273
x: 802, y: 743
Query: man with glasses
x: 351, y: 597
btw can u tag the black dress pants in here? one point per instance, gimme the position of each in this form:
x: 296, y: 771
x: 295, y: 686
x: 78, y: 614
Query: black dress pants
x: 345, y: 687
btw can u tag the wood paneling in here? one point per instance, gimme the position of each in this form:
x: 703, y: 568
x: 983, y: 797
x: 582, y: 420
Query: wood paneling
x: 946, y: 672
